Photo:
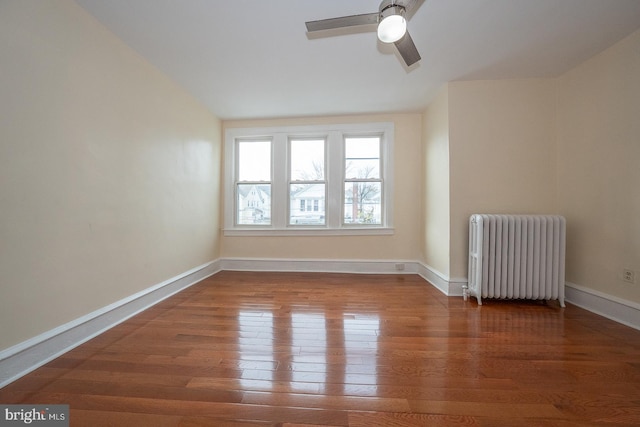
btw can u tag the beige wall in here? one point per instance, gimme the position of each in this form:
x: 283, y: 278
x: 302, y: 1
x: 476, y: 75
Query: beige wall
x: 568, y: 145
x: 403, y: 244
x: 599, y: 168
x: 109, y: 173
x: 436, y: 213
x: 502, y: 153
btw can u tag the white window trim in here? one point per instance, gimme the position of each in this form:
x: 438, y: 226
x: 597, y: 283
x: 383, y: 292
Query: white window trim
x: 334, y: 176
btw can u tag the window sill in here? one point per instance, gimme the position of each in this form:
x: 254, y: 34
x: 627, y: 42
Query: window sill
x: 299, y: 231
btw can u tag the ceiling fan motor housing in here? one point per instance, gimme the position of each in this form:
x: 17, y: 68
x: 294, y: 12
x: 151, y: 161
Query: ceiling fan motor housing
x: 388, y: 8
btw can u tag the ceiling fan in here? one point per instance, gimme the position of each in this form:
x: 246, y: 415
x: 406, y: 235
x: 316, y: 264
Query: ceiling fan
x: 391, y: 19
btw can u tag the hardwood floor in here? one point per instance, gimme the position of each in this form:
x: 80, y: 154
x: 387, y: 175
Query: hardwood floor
x: 305, y: 349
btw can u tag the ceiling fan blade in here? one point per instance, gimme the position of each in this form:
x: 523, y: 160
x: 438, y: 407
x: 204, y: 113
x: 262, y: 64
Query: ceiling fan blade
x: 408, y: 50
x: 343, y: 21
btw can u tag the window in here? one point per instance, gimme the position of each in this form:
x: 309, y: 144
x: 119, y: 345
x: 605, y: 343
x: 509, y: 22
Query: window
x: 309, y: 180
x: 253, y: 186
x: 363, y: 183
x: 307, y: 185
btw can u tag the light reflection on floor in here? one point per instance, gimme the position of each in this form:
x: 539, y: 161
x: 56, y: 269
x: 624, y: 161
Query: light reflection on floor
x: 319, y: 350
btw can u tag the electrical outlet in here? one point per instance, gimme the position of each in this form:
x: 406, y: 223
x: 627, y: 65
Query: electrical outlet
x: 628, y: 275
x: 399, y: 266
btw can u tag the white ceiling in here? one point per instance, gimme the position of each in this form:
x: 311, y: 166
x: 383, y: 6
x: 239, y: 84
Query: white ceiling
x: 254, y: 59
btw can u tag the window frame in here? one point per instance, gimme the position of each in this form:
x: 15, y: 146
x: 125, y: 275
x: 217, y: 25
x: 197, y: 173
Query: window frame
x: 334, y: 136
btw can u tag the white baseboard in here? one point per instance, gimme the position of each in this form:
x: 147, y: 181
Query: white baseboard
x: 23, y: 358
x: 436, y: 278
x: 456, y: 286
x: 321, y: 265
x: 448, y: 286
x: 609, y: 306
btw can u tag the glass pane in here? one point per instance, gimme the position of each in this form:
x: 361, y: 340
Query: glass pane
x: 362, y: 203
x: 307, y: 160
x: 306, y: 203
x: 254, y: 204
x: 362, y: 158
x: 254, y: 161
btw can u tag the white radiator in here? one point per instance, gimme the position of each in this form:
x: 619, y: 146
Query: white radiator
x: 516, y: 257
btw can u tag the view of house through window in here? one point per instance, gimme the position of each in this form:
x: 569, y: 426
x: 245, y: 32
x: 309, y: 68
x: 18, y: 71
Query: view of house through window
x: 307, y: 189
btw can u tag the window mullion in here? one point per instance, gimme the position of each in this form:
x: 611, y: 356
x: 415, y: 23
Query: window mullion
x: 335, y: 174
x: 279, y: 189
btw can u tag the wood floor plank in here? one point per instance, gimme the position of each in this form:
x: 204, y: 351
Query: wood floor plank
x: 390, y: 419
x: 113, y: 419
x: 507, y: 410
x: 337, y: 350
x: 327, y: 402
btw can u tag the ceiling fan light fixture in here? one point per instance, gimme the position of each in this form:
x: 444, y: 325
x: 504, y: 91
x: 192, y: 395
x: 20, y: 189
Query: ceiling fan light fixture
x: 391, y: 20
x: 392, y: 26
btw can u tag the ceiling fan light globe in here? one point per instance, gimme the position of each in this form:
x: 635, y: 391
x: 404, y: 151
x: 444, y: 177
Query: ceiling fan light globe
x: 392, y: 28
